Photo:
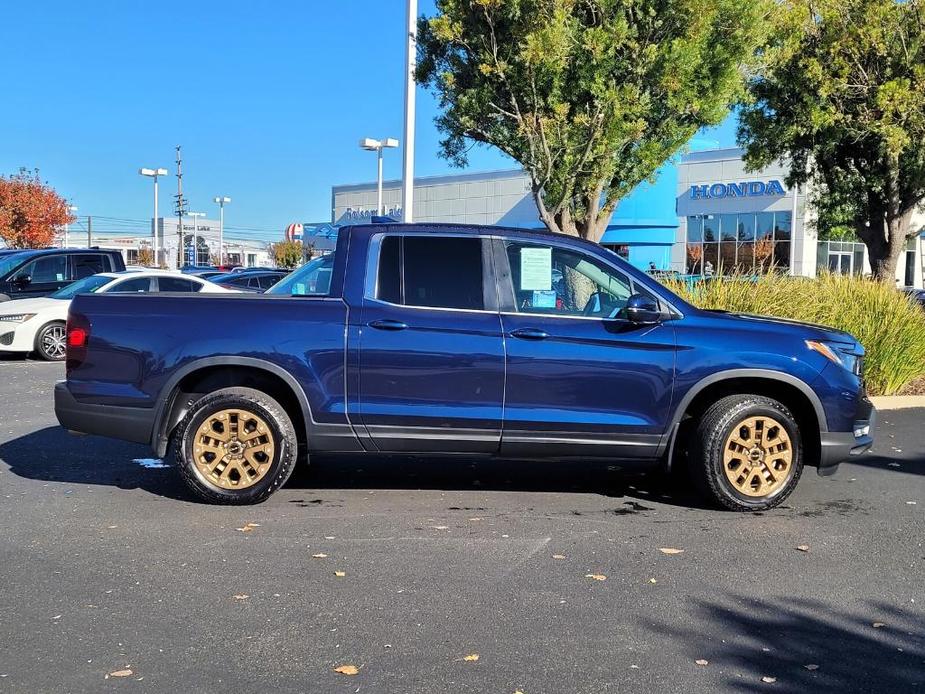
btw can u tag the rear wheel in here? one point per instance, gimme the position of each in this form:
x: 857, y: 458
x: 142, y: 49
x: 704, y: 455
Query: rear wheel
x: 51, y: 342
x: 746, y: 453
x: 235, y: 446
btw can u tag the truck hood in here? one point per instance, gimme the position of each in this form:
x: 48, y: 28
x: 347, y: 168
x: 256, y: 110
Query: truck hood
x: 809, y: 331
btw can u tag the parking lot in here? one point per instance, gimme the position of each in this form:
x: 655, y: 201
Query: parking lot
x: 555, y: 577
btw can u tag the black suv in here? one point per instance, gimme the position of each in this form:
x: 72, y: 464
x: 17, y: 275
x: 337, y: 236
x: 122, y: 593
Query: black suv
x: 30, y: 273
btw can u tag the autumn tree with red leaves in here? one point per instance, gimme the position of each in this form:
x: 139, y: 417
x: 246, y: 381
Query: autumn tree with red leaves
x: 30, y: 211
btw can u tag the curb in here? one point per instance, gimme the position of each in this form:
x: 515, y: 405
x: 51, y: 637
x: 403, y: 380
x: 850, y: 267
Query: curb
x: 898, y: 402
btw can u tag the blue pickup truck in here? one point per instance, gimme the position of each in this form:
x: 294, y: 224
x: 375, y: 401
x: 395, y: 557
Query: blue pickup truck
x: 447, y: 339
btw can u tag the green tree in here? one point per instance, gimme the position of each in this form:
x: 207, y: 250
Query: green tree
x: 287, y: 254
x: 840, y: 95
x: 589, y: 96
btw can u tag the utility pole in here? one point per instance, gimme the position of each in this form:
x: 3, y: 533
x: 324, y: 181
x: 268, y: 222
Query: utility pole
x: 89, y: 231
x: 180, y: 208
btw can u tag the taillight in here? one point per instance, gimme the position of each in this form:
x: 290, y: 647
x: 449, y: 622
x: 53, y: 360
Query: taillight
x: 78, y: 335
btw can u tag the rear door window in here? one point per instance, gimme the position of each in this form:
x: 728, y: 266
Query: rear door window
x: 432, y: 271
x: 132, y: 286
x: 87, y: 264
x: 177, y: 284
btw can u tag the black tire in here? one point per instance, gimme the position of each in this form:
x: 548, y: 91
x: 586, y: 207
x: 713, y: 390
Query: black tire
x: 51, y: 341
x: 192, y: 434
x: 753, y: 471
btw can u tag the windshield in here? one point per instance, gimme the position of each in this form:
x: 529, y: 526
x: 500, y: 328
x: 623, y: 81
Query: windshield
x: 8, y: 262
x: 312, y: 279
x: 85, y: 286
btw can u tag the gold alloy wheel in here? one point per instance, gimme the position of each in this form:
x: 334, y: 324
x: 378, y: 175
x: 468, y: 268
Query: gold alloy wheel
x: 758, y: 456
x: 233, y: 449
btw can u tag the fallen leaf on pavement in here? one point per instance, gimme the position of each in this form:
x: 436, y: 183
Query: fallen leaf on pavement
x: 652, y: 580
x: 121, y: 673
x: 803, y: 548
x: 811, y: 666
x: 472, y: 657
x: 769, y: 680
x: 241, y: 596
x: 670, y: 550
x: 340, y: 574
x: 347, y: 670
x: 558, y: 556
x: 248, y: 527
x: 596, y: 577
x: 320, y: 555
x: 702, y: 662
x: 878, y: 625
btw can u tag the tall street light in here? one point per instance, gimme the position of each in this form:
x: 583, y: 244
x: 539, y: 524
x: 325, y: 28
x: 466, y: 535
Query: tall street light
x: 195, y: 216
x: 154, y: 173
x: 407, y: 176
x: 67, y: 226
x: 221, y: 201
x: 371, y: 145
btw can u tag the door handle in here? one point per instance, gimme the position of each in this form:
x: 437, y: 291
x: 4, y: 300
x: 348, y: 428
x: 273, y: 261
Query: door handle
x: 530, y: 334
x: 388, y: 324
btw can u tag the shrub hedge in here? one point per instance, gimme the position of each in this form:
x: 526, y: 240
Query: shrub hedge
x: 889, y: 325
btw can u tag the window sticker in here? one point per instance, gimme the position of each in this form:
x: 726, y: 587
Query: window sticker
x: 59, y: 277
x: 535, y: 269
x: 299, y: 289
x: 544, y: 298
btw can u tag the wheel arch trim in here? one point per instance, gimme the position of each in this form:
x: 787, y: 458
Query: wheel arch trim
x: 732, y: 374
x: 165, y: 398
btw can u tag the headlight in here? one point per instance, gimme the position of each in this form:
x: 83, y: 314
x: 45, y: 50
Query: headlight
x: 17, y: 317
x: 841, y: 354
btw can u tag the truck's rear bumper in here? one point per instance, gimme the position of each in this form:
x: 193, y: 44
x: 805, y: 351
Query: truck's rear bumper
x: 127, y: 423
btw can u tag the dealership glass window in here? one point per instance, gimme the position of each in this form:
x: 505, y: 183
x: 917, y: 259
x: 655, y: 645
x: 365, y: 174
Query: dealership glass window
x: 746, y: 227
x: 841, y: 257
x: 764, y: 225
x: 695, y: 229
x: 710, y: 228
x: 728, y: 227
x: 750, y: 242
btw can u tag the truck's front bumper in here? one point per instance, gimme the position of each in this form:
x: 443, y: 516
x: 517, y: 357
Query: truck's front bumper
x: 127, y: 423
x: 839, y: 446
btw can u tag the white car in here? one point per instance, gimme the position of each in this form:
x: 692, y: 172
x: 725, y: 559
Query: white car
x: 38, y: 325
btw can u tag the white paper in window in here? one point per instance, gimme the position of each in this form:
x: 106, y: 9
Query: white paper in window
x: 535, y: 269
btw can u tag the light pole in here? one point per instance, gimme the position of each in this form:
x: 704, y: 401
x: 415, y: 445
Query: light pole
x: 67, y: 226
x: 371, y: 145
x: 195, y: 216
x: 154, y: 173
x: 221, y: 201
x: 407, y: 177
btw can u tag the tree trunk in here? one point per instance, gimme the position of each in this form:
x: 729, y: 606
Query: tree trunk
x: 885, y: 240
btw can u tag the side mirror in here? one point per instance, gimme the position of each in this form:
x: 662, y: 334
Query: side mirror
x: 23, y: 280
x: 642, y: 310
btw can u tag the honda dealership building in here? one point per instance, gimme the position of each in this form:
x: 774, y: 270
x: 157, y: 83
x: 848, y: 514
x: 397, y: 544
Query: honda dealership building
x: 703, y: 214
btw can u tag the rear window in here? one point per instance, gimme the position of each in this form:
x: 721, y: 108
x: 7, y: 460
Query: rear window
x: 431, y: 271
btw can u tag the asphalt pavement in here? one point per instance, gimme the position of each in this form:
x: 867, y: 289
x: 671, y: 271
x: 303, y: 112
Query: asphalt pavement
x: 448, y: 575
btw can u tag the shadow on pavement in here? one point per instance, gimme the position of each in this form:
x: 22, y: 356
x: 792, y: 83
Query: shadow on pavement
x: 53, y: 455
x: 914, y: 465
x: 777, y: 638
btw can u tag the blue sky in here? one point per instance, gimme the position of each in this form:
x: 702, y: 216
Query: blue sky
x: 268, y: 100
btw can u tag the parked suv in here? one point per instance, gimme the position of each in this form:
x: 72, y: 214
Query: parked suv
x: 31, y: 273
x: 448, y: 339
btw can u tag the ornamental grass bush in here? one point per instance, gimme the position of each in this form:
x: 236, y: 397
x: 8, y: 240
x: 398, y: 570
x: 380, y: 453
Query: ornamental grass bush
x: 889, y: 325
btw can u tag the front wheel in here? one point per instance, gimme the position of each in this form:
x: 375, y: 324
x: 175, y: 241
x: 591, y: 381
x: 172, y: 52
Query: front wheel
x: 746, y: 453
x: 235, y: 446
x: 51, y: 342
